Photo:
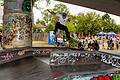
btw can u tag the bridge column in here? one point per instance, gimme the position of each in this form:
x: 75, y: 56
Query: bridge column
x: 17, y: 22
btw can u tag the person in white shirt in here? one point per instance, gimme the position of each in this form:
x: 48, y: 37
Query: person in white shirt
x: 62, y: 19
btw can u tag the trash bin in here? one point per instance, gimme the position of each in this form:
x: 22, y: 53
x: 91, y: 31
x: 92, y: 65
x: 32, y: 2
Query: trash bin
x: 51, y: 37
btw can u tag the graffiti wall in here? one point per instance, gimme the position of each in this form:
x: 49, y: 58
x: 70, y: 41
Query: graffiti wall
x: 17, y: 24
x: 17, y: 30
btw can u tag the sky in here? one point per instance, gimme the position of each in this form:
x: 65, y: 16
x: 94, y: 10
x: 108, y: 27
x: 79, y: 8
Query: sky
x: 1, y: 14
x: 74, y: 9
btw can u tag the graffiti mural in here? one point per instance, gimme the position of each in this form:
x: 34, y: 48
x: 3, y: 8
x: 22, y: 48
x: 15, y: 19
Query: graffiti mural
x: 15, y: 5
x: 17, y: 30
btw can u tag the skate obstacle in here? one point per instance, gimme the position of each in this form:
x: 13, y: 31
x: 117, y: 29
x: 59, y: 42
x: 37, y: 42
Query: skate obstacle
x: 61, y: 56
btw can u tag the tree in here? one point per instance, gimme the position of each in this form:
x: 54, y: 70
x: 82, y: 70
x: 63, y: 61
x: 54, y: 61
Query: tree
x: 35, y: 29
x: 35, y: 3
x: 50, y: 27
x: 89, y: 22
x: 61, y: 8
x: 71, y: 25
x: 41, y: 22
x: 47, y: 17
x: 109, y: 24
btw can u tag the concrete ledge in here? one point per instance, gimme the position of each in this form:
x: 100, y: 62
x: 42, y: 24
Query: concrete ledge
x: 90, y: 57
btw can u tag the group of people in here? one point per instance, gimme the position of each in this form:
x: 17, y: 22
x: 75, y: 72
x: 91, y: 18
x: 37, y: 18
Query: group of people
x: 92, y: 45
x: 100, y: 43
x: 111, y: 44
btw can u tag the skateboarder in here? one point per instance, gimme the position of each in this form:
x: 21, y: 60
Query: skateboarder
x: 62, y: 19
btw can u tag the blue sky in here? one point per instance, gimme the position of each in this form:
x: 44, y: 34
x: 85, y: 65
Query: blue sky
x: 74, y: 9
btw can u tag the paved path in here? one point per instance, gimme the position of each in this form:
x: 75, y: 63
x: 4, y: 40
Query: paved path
x: 41, y: 44
x: 25, y: 69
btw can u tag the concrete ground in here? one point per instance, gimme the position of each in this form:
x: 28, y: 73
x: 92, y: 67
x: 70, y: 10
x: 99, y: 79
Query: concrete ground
x: 41, y: 44
x: 116, y: 52
x: 25, y: 69
x: 37, y: 68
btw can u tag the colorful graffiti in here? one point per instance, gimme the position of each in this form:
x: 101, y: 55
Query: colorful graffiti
x: 15, y: 5
x: 15, y: 54
x: 17, y: 30
x: 26, y: 6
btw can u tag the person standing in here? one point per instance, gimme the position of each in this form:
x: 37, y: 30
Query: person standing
x: 117, y: 44
x: 90, y: 46
x: 0, y: 39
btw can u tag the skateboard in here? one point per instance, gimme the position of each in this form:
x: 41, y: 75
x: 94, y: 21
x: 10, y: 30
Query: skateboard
x: 61, y: 43
x: 61, y: 40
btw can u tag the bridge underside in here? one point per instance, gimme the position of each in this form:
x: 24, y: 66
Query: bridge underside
x: 109, y: 6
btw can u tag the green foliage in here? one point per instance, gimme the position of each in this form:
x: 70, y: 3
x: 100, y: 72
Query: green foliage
x: 1, y: 28
x: 109, y: 25
x: 47, y: 17
x: 35, y: 29
x: 60, y: 8
x: 50, y: 27
x: 36, y: 3
x: 71, y: 27
x: 89, y: 22
x: 73, y: 43
x: 40, y: 22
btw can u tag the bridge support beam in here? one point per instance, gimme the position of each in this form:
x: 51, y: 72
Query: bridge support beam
x: 17, y: 22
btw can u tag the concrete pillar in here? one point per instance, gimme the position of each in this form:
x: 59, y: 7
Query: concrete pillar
x: 17, y: 30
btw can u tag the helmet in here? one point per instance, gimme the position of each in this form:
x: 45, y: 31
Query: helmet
x: 64, y: 14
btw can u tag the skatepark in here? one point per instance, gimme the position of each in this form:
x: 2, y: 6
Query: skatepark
x: 35, y: 58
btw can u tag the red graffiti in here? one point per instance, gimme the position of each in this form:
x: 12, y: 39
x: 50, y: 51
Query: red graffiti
x: 101, y: 78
